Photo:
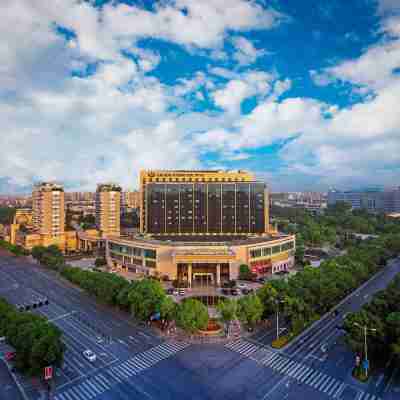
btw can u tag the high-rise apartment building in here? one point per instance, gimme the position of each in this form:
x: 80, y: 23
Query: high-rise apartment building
x: 203, y: 203
x: 48, y: 214
x: 108, y: 205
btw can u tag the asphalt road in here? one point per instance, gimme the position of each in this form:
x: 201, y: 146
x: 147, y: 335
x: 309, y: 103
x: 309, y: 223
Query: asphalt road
x: 139, y: 365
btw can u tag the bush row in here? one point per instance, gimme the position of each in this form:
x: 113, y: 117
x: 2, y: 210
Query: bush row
x: 36, y: 341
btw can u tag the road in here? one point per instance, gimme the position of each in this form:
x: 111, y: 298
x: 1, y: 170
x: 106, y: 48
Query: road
x: 137, y: 364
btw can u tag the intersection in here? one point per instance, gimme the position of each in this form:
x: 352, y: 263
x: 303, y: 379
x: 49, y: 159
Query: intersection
x: 133, y: 362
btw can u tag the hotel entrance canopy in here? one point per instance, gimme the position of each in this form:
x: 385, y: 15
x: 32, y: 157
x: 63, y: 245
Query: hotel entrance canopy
x: 204, y: 255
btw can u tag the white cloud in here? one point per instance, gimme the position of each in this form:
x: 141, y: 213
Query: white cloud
x: 374, y: 69
x: 231, y: 96
x: 245, y: 52
x: 388, y: 6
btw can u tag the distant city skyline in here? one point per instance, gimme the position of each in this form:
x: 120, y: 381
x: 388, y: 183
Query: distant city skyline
x: 94, y: 91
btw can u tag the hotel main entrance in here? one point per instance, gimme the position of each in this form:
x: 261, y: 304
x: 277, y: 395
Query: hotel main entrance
x: 203, y: 274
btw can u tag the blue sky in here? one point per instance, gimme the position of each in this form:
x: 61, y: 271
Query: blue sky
x: 306, y: 96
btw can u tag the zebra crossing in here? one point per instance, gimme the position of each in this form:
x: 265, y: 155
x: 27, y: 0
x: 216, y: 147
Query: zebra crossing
x: 147, y: 359
x: 309, y: 376
x: 97, y: 384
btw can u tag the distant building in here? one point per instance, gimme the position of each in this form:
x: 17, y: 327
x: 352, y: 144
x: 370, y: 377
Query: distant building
x: 108, y: 207
x: 387, y: 201
x: 130, y: 200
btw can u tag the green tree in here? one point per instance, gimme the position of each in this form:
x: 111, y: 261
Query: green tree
x: 227, y: 309
x: 244, y: 272
x: 168, y: 309
x: 250, y: 309
x: 268, y: 296
x: 192, y: 315
x: 146, y: 298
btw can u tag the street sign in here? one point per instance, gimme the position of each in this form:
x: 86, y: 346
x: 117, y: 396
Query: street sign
x: 48, y: 373
x: 10, y: 355
x: 366, y: 365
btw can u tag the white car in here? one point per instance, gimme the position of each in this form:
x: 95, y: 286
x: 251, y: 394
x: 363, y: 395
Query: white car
x: 242, y: 286
x: 89, y: 355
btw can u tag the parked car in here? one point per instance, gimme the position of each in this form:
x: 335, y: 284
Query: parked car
x: 226, y: 291
x: 181, y: 291
x: 234, y: 292
x: 89, y: 355
x: 170, y: 291
x: 247, y: 290
x: 242, y: 286
x: 2, y: 339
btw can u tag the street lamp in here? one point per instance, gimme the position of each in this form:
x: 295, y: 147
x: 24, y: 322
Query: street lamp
x: 277, y: 316
x: 365, y: 329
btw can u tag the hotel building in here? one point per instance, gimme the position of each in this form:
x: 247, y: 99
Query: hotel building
x: 202, y: 225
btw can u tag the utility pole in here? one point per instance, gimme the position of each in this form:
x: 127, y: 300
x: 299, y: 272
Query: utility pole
x: 277, y: 317
x: 365, y: 330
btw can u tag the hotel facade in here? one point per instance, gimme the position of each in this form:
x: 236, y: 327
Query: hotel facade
x: 198, y: 226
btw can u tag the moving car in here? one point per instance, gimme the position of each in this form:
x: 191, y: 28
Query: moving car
x: 89, y: 355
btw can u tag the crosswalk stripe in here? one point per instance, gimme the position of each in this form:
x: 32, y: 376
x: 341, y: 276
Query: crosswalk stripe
x: 134, y: 365
x: 302, y: 373
x: 294, y: 371
x: 328, y: 385
x: 88, y: 394
x: 126, y: 369
x: 276, y: 361
x: 271, y: 359
x: 149, y: 358
x: 366, y: 397
x: 88, y: 389
x: 287, y: 366
x: 320, y: 376
x: 333, y: 388
x: 96, y: 389
x: 101, y: 381
x: 321, y: 381
x: 137, y: 365
x: 121, y: 372
x: 341, y: 386
x: 143, y: 362
x: 312, y: 377
x: 74, y: 393
x: 267, y: 357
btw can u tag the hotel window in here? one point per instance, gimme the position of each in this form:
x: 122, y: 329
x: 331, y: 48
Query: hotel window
x: 255, y: 253
x: 276, y: 249
x: 266, y: 251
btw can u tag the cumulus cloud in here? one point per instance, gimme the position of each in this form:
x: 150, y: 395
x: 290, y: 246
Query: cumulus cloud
x: 82, y: 105
x: 245, y: 52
